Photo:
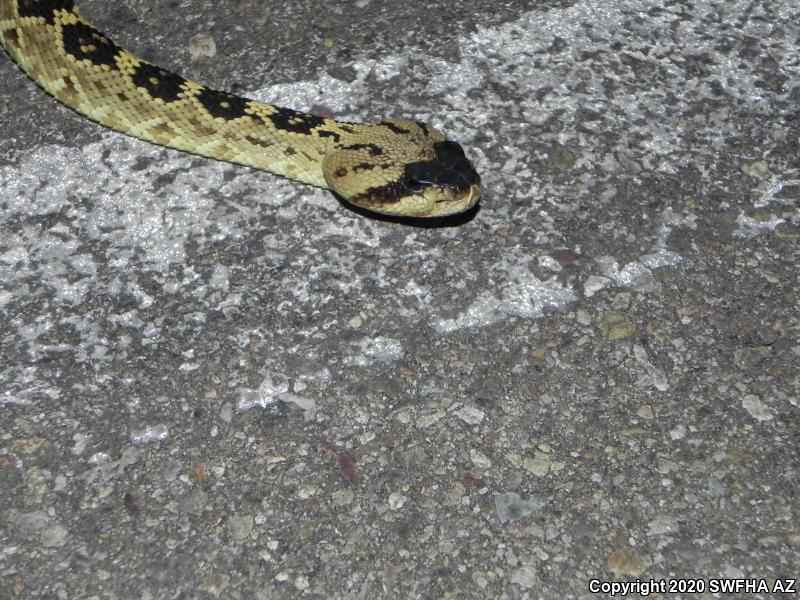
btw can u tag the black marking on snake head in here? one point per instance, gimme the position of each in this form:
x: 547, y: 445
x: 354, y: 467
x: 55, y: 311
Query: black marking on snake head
x: 11, y: 37
x: 365, y: 166
x: 259, y: 142
x: 393, y: 128
x: 84, y: 42
x: 374, y: 149
x: 44, y: 10
x: 68, y: 88
x: 158, y: 82
x: 222, y: 104
x: 329, y: 134
x: 383, y: 194
x: 295, y: 121
x: 450, y: 168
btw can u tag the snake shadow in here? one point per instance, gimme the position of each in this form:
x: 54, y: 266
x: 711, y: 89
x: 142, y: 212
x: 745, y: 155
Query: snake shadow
x: 420, y: 222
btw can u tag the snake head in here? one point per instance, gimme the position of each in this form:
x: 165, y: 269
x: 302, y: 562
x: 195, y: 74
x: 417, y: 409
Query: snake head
x: 402, y: 168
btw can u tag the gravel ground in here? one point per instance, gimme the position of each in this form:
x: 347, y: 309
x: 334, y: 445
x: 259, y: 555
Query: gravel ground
x: 218, y: 384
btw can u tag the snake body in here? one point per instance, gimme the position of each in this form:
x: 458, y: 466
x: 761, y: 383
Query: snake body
x: 396, y: 167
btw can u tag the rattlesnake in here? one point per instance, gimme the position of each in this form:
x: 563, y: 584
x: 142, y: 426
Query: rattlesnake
x: 396, y: 167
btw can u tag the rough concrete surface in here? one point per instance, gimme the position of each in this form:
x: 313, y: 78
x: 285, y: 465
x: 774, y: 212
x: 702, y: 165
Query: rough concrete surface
x: 218, y: 384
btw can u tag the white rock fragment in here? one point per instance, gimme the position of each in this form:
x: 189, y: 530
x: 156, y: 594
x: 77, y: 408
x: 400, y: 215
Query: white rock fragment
x: 539, y: 464
x: 550, y: 263
x: 646, y: 412
x: 429, y: 419
x: 656, y: 376
x: 267, y: 394
x: 512, y: 507
x: 404, y: 416
x: 678, y: 433
x: 595, y: 283
x: 748, y: 227
x: 342, y: 497
x: 525, y: 577
x: 757, y: 409
x: 661, y: 258
x: 81, y: 442
x: 307, y: 405
x: 662, y: 525
x: 202, y: 46
x: 479, y: 459
x: 240, y: 527
x: 396, y: 500
x: 226, y: 412
x: 148, y: 435
x: 370, y: 350
x: 757, y: 170
x: 301, y: 583
x: 304, y: 492
x: 55, y: 536
x: 470, y: 415
x: 522, y: 295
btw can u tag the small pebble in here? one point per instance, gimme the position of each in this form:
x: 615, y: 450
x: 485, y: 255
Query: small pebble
x: 202, y: 46
x: 512, y: 507
x: 757, y: 409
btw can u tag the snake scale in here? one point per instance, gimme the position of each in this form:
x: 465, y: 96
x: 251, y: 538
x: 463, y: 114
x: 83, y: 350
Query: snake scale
x: 396, y: 167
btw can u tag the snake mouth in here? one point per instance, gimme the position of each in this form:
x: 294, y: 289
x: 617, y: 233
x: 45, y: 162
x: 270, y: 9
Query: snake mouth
x: 465, y: 198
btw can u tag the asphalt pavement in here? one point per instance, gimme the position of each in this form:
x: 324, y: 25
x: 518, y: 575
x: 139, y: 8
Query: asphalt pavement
x: 215, y: 383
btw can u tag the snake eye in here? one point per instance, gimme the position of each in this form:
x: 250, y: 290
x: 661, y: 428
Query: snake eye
x: 413, y: 184
x: 419, y: 174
